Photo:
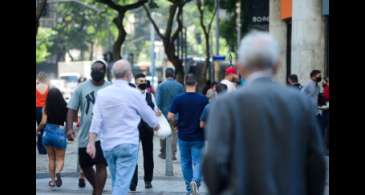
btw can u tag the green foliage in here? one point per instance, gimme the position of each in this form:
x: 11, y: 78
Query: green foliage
x: 228, y: 25
x: 79, y: 27
x: 43, y: 42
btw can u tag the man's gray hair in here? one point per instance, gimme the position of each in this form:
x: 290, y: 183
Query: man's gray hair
x: 258, y: 50
x: 121, y: 69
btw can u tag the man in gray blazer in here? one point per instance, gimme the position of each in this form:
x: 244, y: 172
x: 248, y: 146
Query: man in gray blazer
x: 263, y: 139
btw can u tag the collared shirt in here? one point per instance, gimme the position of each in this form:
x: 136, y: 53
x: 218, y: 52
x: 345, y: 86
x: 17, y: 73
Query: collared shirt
x: 117, y: 112
x: 153, y: 99
x: 166, y: 92
x: 312, y: 91
x: 257, y: 75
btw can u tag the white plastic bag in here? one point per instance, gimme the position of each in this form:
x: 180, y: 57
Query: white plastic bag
x: 165, y: 129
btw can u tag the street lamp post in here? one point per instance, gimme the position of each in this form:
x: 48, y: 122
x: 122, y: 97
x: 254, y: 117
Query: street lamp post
x: 153, y: 53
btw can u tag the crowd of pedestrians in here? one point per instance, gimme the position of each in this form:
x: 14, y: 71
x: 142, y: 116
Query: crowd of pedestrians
x: 246, y: 134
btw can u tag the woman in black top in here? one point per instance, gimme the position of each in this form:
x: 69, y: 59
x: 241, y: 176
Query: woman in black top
x: 54, y: 139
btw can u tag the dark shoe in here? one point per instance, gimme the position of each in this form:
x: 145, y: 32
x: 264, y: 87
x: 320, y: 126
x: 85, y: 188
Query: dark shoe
x: 132, y: 189
x: 148, y: 185
x: 58, y: 180
x: 162, y: 156
x: 82, y: 183
x: 174, y: 158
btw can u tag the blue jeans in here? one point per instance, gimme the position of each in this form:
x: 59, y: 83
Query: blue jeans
x: 122, y: 161
x: 54, y: 136
x: 191, y: 155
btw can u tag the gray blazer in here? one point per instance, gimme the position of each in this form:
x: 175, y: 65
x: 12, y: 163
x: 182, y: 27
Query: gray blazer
x: 263, y: 139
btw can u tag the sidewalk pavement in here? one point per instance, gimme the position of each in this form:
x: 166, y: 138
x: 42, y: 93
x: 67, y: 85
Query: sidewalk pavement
x: 162, y: 185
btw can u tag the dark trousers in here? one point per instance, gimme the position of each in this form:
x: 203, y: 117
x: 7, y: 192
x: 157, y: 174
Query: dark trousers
x: 146, y: 137
x: 40, y: 146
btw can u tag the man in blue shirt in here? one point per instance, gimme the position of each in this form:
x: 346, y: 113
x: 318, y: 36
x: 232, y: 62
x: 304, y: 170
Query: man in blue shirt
x: 166, y: 92
x: 220, y: 88
x: 189, y: 107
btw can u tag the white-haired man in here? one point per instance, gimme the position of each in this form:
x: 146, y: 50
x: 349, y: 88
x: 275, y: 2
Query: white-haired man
x: 118, y: 110
x: 266, y: 138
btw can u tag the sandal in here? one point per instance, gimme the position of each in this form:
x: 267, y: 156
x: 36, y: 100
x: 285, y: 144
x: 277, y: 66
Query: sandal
x: 58, y: 180
x: 51, y: 184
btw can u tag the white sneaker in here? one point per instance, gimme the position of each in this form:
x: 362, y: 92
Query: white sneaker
x: 194, y: 188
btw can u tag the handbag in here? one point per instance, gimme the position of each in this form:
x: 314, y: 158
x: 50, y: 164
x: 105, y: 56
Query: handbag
x: 165, y: 128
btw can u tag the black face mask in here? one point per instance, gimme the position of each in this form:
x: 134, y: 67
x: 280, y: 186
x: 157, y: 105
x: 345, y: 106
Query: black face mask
x: 319, y: 79
x: 142, y: 86
x: 97, y: 75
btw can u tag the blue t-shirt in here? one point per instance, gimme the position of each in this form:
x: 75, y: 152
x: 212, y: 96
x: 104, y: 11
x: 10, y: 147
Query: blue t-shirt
x: 189, y: 107
x: 204, y: 115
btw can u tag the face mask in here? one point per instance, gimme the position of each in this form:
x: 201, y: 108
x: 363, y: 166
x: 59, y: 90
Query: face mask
x: 142, y: 86
x: 319, y: 79
x: 97, y: 75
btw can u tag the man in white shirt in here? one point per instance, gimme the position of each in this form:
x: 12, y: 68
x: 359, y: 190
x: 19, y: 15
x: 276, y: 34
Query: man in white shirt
x: 117, y: 113
x: 230, y: 79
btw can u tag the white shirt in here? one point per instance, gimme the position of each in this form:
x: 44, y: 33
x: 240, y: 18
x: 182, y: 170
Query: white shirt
x: 231, y: 86
x: 153, y: 100
x: 117, y: 112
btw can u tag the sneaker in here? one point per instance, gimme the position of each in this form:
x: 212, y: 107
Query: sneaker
x: 194, y: 188
x: 148, y: 185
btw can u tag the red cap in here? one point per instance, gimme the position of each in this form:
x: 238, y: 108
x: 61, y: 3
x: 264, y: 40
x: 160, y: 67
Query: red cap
x: 231, y: 70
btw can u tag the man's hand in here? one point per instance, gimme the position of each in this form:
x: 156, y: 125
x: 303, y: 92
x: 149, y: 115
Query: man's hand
x: 91, y: 150
x: 156, y: 128
x: 70, y: 135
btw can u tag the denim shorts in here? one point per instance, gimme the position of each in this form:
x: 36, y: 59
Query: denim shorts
x: 54, y: 136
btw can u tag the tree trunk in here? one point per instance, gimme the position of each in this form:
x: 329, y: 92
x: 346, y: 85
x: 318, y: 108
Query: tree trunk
x: 91, y: 51
x: 118, y: 21
x: 39, y: 11
x: 174, y: 59
x: 82, y: 54
x: 207, y: 57
x: 69, y: 54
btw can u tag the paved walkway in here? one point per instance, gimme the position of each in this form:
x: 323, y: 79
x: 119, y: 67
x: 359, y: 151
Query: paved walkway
x: 162, y: 185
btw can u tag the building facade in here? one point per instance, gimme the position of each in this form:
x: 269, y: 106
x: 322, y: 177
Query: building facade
x: 301, y: 27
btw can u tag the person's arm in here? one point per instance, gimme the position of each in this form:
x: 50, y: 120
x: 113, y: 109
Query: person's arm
x: 315, y: 156
x: 43, y: 121
x: 173, y: 110
x: 95, y: 128
x: 216, y: 162
x: 203, y: 117
x: 146, y: 112
x: 73, y: 107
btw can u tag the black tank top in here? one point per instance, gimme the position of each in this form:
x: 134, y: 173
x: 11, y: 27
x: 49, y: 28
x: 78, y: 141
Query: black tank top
x: 56, y: 116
